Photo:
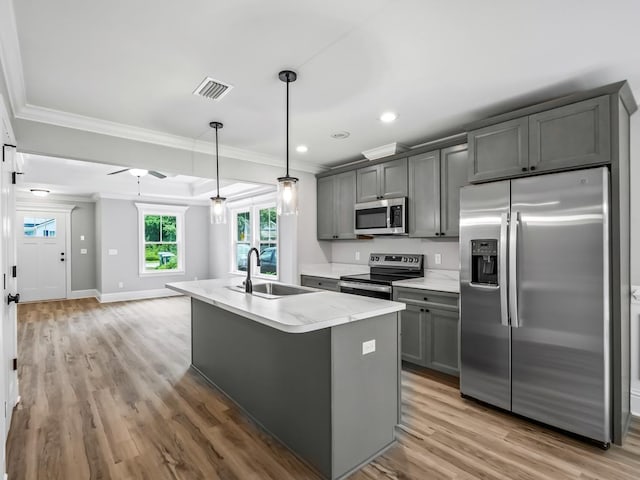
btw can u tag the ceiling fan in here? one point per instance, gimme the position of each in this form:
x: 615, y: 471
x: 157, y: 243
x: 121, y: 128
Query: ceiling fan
x: 140, y: 172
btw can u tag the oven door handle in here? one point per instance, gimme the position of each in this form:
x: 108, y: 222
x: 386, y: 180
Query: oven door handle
x: 365, y: 286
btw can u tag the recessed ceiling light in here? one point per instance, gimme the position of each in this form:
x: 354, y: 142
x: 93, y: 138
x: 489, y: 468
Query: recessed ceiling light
x: 40, y: 192
x: 388, y: 117
x: 340, y: 135
x: 302, y: 149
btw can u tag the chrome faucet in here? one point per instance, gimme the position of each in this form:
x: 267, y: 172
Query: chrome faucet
x: 248, y: 287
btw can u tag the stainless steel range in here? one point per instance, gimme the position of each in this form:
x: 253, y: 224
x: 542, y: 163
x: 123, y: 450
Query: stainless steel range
x: 384, y: 269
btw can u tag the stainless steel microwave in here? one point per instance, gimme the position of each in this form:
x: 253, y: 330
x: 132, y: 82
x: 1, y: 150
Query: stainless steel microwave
x: 382, y: 217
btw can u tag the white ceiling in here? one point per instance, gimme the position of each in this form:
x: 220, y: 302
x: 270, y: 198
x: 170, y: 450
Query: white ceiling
x: 71, y: 177
x: 437, y: 64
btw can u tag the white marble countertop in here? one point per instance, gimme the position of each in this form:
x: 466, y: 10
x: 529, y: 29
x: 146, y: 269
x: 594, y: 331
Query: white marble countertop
x: 293, y: 314
x: 332, y: 270
x: 437, y: 280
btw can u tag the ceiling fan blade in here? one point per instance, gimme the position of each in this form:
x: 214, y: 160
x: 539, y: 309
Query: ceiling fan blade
x: 157, y: 174
x: 119, y: 171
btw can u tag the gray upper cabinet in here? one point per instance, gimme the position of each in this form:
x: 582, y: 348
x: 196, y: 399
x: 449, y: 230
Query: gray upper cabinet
x: 344, y: 205
x: 393, y: 179
x: 453, y: 176
x: 500, y: 150
x: 383, y: 180
x: 424, y: 194
x: 435, y: 179
x: 576, y: 134
x: 336, y: 206
x: 326, y: 199
x: 368, y: 184
x: 569, y: 136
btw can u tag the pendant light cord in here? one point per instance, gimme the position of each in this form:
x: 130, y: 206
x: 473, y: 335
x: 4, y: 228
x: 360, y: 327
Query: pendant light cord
x: 288, y: 81
x: 217, y: 166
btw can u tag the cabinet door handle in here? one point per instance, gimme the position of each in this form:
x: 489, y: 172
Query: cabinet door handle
x: 437, y: 234
x: 524, y: 169
x: 426, y: 310
x: 426, y: 299
x: 532, y: 168
x: 442, y: 234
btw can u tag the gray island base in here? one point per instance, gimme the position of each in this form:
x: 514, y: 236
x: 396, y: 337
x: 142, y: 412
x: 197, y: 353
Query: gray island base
x: 333, y: 406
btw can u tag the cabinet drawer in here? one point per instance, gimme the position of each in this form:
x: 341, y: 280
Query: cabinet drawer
x: 427, y: 298
x: 320, y: 282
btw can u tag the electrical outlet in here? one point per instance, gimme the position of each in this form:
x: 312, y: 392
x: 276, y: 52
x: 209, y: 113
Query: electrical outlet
x: 120, y: 285
x: 195, y: 278
x: 438, y: 258
x: 81, y: 237
x: 113, y: 251
x: 357, y: 255
x: 368, y: 347
x: 83, y: 251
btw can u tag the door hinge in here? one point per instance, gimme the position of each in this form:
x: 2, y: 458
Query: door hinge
x: 14, y: 271
x: 14, y: 177
x: 4, y: 281
x: 3, y: 147
x: 15, y: 364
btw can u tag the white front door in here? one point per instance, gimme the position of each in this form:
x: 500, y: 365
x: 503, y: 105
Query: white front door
x: 8, y: 252
x: 42, y: 255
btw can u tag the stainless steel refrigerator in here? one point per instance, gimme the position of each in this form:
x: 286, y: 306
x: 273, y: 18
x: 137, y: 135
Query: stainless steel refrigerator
x: 535, y: 300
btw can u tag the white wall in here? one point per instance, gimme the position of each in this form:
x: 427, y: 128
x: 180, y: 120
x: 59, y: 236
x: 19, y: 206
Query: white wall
x: 119, y: 228
x: 344, y: 251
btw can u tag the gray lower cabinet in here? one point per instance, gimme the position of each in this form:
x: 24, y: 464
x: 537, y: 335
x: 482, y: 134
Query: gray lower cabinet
x: 577, y: 134
x: 435, y: 179
x: 430, y: 329
x: 320, y: 282
x: 383, y: 180
x: 336, y: 206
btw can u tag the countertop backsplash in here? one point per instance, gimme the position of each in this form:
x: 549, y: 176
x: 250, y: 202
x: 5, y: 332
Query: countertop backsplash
x: 448, y: 248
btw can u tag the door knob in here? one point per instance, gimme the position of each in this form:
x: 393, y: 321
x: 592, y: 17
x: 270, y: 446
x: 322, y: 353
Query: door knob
x: 13, y: 298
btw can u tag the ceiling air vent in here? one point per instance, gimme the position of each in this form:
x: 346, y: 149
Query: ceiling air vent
x: 213, y: 89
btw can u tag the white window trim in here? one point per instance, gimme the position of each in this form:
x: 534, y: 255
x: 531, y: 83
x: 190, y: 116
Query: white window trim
x: 158, y: 209
x: 255, y: 236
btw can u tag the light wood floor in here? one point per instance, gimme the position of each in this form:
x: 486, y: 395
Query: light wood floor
x: 107, y: 393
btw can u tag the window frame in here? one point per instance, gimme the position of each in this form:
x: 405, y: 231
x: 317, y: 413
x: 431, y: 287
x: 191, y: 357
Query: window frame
x: 254, y: 214
x: 177, y: 211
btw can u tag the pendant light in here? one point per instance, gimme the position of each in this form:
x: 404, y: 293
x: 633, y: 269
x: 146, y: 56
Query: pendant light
x: 217, y: 210
x: 287, y: 185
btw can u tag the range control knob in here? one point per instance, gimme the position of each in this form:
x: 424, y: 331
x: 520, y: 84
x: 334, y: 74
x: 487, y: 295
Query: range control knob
x: 372, y: 258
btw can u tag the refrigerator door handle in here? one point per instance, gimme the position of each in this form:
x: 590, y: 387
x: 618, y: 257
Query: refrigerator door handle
x: 513, y: 268
x: 502, y: 272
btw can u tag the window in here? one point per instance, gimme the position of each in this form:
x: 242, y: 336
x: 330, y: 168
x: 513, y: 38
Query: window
x: 39, y: 227
x: 161, y: 239
x: 256, y: 226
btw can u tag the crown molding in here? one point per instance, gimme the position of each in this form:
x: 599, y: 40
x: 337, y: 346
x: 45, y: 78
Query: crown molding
x: 60, y: 118
x: 151, y: 198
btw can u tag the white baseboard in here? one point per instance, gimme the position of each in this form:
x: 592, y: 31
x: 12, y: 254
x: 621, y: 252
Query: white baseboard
x: 84, y: 293
x: 635, y: 402
x: 136, y: 295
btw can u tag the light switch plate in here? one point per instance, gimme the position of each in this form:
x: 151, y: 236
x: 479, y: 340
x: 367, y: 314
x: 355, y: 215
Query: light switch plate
x: 83, y: 251
x: 113, y: 251
x: 368, y: 347
x: 81, y: 237
x: 438, y: 258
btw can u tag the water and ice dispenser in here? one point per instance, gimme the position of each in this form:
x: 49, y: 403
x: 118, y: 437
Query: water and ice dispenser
x: 484, y: 262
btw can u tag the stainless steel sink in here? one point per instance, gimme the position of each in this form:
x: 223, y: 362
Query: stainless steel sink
x: 272, y: 290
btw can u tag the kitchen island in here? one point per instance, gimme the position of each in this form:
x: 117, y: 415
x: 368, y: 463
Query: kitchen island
x: 318, y: 370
